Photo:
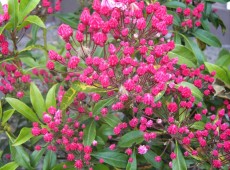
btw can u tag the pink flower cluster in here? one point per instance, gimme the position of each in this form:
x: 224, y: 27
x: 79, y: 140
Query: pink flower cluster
x: 12, y: 80
x: 133, y: 65
x: 66, y: 135
x: 48, y: 5
x: 5, y: 16
x: 191, y: 17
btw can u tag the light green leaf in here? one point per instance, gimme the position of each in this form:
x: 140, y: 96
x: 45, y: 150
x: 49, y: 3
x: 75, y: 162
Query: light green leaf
x: 25, y: 7
x: 115, y: 159
x: 103, y: 103
x: 37, y: 100
x: 220, y: 73
x: 13, y: 10
x: 223, y: 61
x: 24, y: 135
x: 184, y: 55
x: 130, y: 138
x: 101, y: 167
x: 49, y: 160
x: 32, y: 19
x: 198, y: 125
x: 178, y: 163
x: 175, y: 4
x: 20, y: 156
x: 23, y: 109
x: 89, y: 133
x: 149, y: 156
x: 207, y: 38
x: 111, y: 120
x: 51, y: 97
x: 132, y: 165
x: 70, y: 166
x: 9, y: 166
x: 36, y: 156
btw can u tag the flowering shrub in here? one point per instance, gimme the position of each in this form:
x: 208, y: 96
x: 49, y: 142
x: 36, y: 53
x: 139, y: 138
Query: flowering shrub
x: 129, y: 97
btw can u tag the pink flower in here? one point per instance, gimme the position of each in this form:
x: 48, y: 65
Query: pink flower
x: 157, y: 158
x: 142, y: 149
x: 65, y: 31
x: 113, y: 4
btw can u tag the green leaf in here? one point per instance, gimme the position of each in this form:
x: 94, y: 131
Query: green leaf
x: 220, y: 73
x: 159, y: 95
x: 20, y: 156
x: 1, y: 110
x: 13, y: 10
x: 195, y: 91
x: 32, y: 19
x: 132, y: 165
x: 49, y: 160
x: 176, y: 18
x: 25, y: 7
x: 7, y: 26
x: 51, y: 97
x: 195, y: 49
x: 130, y: 138
x: 36, y: 156
x: 184, y: 55
x: 29, y: 62
x: 23, y: 109
x: 149, y: 156
x: 198, y: 125
x: 10, y: 166
x: 100, y: 167
x: 223, y: 61
x: 89, y: 133
x: 111, y: 120
x: 205, y: 24
x: 66, y: 19
x: 177, y: 38
x: 69, y: 96
x: 115, y: 159
x: 37, y: 100
x: 70, y: 166
x: 175, y: 4
x: 178, y: 163
x: 207, y: 38
x: 103, y: 103
x: 24, y: 135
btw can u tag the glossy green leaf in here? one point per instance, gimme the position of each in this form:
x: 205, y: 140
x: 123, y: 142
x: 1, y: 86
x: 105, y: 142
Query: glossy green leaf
x: 89, y: 133
x: 181, y: 59
x: 7, y: 26
x: 24, y: 135
x: 149, y: 156
x: 25, y: 7
x: 220, y: 73
x: 103, y: 103
x: 36, y: 156
x: 20, y: 156
x: 101, y: 167
x: 198, y: 125
x: 195, y: 91
x: 49, y: 160
x: 23, y: 109
x: 130, y: 138
x: 207, y: 38
x: 132, y: 165
x: 70, y: 166
x: 178, y: 163
x: 177, y: 38
x: 37, y: 100
x: 9, y: 166
x: 0, y: 109
x: 32, y: 19
x: 175, y: 4
x: 69, y: 96
x: 194, y: 48
x: 223, y: 60
x: 51, y: 97
x: 13, y: 9
x: 115, y: 159
x: 111, y: 120
x: 185, y: 52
